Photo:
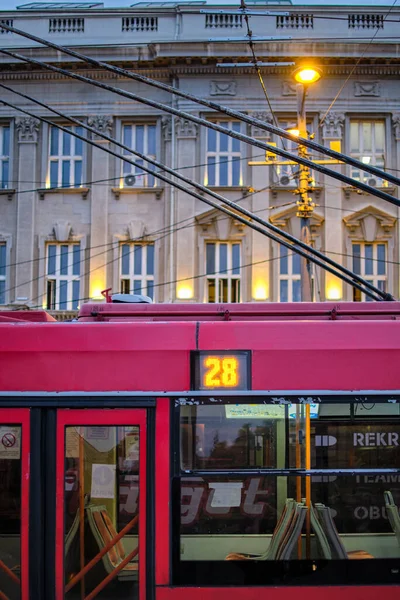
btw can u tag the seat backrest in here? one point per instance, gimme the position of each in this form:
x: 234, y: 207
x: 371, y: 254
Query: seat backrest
x: 336, y: 545
x: 322, y: 540
x: 288, y: 543
x: 104, y: 531
x: 281, y: 528
x: 392, y: 514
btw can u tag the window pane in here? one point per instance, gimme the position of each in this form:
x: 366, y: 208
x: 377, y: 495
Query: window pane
x: 382, y: 285
x: 75, y: 294
x: 65, y: 173
x: 139, y: 142
x: 368, y: 298
x: 235, y: 143
x: 296, y: 290
x: 54, y: 173
x: 357, y: 259
x: 283, y: 260
x: 283, y: 290
x: 211, y: 170
x: 51, y: 259
x: 223, y: 139
x: 211, y: 140
x: 296, y: 264
x: 380, y: 137
x: 137, y: 260
x: 369, y: 265
x: 150, y: 289
x: 127, y: 136
x: 210, y: 290
x: 137, y: 286
x: 2, y: 260
x: 78, y: 173
x: 381, y: 259
x: 235, y: 259
x: 223, y: 258
x: 6, y: 141
x: 235, y: 290
x: 2, y: 291
x: 78, y: 142
x: 354, y: 143
x: 210, y: 259
x: 63, y: 295
x: 64, y: 260
x: 76, y: 259
x: 236, y: 165
x: 151, y: 143
x: 125, y: 259
x: 223, y: 171
x: 367, y: 137
x: 223, y: 291
x: 150, y: 260
x: 54, y: 132
x: 66, y: 143
x: 51, y: 294
x: 4, y: 174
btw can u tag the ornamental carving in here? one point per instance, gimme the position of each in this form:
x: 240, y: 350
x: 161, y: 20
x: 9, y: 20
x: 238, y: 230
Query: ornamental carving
x: 102, y: 123
x: 185, y: 128
x: 223, y: 88
x: 396, y: 126
x: 367, y: 88
x: 289, y: 88
x: 62, y: 231
x: 27, y: 129
x: 256, y: 131
x: 333, y: 125
x: 370, y: 224
x: 166, y: 128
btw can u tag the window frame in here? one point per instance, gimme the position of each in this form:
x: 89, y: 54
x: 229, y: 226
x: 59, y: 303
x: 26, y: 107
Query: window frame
x: 387, y: 154
x: 146, y: 181
x: 144, y: 277
x: 373, y: 278
x: 6, y: 158
x: 72, y: 159
x: 53, y: 281
x: 219, y: 155
x: 229, y: 276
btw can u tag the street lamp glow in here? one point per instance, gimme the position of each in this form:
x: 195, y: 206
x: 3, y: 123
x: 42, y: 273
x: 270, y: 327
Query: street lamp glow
x: 307, y: 75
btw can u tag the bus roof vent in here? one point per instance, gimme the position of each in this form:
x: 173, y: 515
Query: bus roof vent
x: 131, y: 299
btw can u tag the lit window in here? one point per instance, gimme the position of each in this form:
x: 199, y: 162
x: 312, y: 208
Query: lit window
x: 143, y: 139
x: 63, y: 270
x: 369, y: 261
x: 224, y: 165
x: 137, y: 269
x: 66, y: 158
x: 367, y: 144
x: 289, y: 276
x: 4, y: 156
x: 288, y: 175
x: 223, y: 272
x: 3, y: 251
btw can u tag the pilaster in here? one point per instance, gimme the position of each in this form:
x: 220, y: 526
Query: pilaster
x: 27, y: 131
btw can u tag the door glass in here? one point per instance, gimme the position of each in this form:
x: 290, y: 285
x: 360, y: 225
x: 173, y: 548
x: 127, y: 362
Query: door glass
x: 10, y: 511
x: 101, y: 512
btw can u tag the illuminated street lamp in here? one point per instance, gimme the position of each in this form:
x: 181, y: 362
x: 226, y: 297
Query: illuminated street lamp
x: 307, y: 75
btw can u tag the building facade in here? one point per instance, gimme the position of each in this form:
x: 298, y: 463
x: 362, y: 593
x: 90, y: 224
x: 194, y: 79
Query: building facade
x: 75, y: 220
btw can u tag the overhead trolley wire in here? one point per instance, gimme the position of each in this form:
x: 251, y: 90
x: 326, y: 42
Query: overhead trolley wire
x: 215, y: 106
x: 310, y: 253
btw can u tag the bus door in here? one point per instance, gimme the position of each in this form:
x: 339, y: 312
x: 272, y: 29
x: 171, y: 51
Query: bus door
x: 14, y: 503
x: 101, y: 504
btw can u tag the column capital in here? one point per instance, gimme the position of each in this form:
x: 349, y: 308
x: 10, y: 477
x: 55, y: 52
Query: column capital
x: 185, y: 128
x: 27, y: 130
x: 261, y: 115
x: 332, y: 127
x: 396, y: 126
x: 102, y: 124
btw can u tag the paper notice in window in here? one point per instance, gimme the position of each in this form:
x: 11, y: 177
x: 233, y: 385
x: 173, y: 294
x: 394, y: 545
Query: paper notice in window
x: 103, y: 481
x: 226, y: 494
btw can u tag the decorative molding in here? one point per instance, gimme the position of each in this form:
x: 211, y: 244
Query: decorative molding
x: 289, y: 88
x: 367, y: 88
x: 62, y: 231
x: 396, y: 126
x: 370, y: 224
x: 8, y: 192
x: 83, y: 191
x: 223, y: 88
x: 333, y: 125
x: 212, y: 225
x: 185, y: 128
x: 166, y: 128
x: 102, y: 124
x: 118, y: 192
x: 290, y: 222
x: 136, y: 230
x: 261, y: 116
x: 27, y: 130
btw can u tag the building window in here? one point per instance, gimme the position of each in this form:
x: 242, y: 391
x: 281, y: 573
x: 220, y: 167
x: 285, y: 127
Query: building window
x: 289, y: 276
x: 137, y: 269
x: 367, y: 144
x: 288, y: 175
x: 63, y: 270
x: 369, y: 261
x: 5, y: 155
x: 143, y: 139
x: 224, y: 165
x: 66, y: 158
x: 223, y: 272
x: 3, y: 252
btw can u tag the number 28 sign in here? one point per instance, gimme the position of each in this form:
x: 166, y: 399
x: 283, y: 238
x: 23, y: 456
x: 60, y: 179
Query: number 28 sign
x: 222, y: 370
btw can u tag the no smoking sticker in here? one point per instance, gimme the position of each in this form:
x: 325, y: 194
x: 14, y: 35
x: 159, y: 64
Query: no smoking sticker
x: 10, y: 443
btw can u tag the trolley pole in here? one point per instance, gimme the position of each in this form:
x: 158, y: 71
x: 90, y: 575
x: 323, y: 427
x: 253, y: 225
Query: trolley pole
x: 305, y: 205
